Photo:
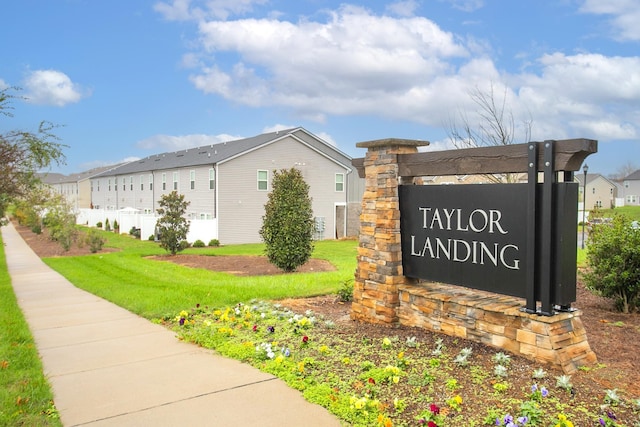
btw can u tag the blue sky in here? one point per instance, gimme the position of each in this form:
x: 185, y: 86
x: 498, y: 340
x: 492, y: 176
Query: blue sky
x: 126, y: 79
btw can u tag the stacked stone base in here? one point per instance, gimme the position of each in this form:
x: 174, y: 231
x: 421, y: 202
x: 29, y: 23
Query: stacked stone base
x: 498, y: 321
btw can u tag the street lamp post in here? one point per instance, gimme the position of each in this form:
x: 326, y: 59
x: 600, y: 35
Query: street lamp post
x: 585, y: 169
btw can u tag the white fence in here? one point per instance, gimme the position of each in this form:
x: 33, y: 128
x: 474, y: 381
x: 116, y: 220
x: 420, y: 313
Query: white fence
x: 128, y: 218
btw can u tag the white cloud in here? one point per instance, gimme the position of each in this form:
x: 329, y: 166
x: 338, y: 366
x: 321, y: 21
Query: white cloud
x: 403, y: 8
x: 3, y: 85
x: 329, y: 67
x: 466, y: 5
x: 51, y: 87
x: 625, y: 15
x: 174, y: 143
x: 408, y: 68
x: 184, y: 10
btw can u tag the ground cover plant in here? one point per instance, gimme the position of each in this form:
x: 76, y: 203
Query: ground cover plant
x: 367, y: 374
x: 399, y: 378
x: 25, y: 396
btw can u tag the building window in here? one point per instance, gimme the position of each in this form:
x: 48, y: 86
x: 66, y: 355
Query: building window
x: 164, y: 181
x: 212, y: 179
x: 340, y: 182
x: 192, y: 179
x: 98, y: 184
x: 632, y: 200
x: 593, y: 190
x: 141, y: 182
x: 131, y: 183
x: 263, y: 180
x: 175, y: 181
x: 151, y: 182
x: 109, y: 182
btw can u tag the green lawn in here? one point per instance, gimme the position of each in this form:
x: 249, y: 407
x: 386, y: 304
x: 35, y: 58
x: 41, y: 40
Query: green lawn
x: 633, y: 212
x: 155, y: 289
x: 25, y: 396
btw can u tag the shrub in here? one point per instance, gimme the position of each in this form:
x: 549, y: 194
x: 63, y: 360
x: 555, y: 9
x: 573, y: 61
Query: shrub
x: 116, y: 226
x: 36, y: 228
x: 613, y: 259
x: 214, y: 242
x: 151, y: 238
x: 107, y: 226
x: 345, y: 293
x: 94, y: 239
x: 184, y: 245
x: 198, y: 244
x: 287, y: 225
x: 99, y: 224
x: 135, y: 232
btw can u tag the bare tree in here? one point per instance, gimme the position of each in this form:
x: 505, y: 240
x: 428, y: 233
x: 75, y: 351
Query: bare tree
x: 495, y: 126
x: 623, y: 171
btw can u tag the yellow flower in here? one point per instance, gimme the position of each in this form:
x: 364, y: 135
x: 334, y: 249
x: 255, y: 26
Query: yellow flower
x: 458, y: 400
x: 564, y: 422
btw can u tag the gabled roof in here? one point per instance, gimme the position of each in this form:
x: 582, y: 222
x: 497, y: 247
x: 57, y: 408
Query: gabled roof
x: 205, y: 155
x: 635, y: 176
x: 592, y: 177
x: 53, y: 178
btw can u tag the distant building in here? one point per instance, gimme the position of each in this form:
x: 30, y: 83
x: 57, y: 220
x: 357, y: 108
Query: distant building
x: 600, y: 191
x: 631, y: 189
x: 227, y: 185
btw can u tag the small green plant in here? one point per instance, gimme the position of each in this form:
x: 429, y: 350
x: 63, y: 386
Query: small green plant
x: 214, y: 243
x: 539, y: 374
x: 116, y: 226
x: 198, y: 244
x: 99, y: 224
x: 135, y: 232
x: 184, y: 245
x: 501, y: 359
x: 500, y: 371
x: 564, y: 382
x: 462, y: 358
x: 107, y: 225
x: 612, y: 397
x: 345, y: 293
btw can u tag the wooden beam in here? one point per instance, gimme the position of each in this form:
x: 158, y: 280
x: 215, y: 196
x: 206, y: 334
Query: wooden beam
x: 568, y: 156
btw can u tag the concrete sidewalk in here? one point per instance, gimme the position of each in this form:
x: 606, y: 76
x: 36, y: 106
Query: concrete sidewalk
x: 109, y: 367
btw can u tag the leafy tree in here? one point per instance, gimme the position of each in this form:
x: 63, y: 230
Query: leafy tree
x: 22, y: 154
x: 172, y: 225
x: 287, y: 225
x: 60, y: 221
x: 613, y: 258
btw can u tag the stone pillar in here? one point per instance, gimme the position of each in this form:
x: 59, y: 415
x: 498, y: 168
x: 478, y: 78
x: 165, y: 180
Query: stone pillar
x: 379, y: 270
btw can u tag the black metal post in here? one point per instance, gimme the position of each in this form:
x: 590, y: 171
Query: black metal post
x: 585, y: 169
x: 532, y: 215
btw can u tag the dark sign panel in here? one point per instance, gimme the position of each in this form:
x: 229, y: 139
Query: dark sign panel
x: 476, y: 235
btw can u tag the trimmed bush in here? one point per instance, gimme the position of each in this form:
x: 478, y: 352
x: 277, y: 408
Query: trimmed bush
x: 613, y: 258
x: 214, y: 242
x: 287, y: 225
x: 198, y: 244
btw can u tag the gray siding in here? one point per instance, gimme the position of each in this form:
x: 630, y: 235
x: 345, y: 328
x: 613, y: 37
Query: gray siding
x: 241, y: 204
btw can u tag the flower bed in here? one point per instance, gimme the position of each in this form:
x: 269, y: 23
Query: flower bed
x: 399, y: 379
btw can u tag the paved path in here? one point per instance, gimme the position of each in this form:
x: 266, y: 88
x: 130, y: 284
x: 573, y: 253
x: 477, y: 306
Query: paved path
x: 109, y: 367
